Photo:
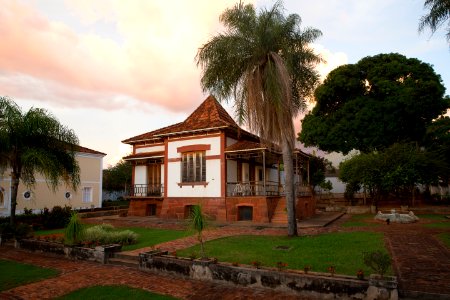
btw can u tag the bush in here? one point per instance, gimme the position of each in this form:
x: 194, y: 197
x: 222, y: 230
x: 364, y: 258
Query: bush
x: 377, y: 261
x: 105, y: 234
x: 58, y: 217
x: 74, y: 231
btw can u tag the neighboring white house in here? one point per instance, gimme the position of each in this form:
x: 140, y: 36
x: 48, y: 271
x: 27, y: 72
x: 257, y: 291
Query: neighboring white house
x: 89, y: 193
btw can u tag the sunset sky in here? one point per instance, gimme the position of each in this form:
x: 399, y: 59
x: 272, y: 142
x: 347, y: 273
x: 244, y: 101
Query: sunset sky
x: 113, y: 69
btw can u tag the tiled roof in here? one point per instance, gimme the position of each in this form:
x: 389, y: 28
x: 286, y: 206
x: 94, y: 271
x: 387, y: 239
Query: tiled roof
x: 210, y: 114
x: 144, y: 155
x: 247, y: 145
x: 87, y: 150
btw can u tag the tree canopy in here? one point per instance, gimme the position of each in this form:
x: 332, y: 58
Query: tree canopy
x: 35, y: 142
x: 263, y: 61
x: 117, y: 177
x: 381, y: 100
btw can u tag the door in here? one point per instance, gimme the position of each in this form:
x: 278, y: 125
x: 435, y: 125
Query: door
x: 154, y: 180
x: 245, y: 213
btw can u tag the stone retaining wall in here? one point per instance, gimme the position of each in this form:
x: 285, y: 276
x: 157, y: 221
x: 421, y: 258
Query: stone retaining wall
x: 312, y: 285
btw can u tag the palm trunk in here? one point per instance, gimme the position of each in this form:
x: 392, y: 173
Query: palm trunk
x: 14, y: 189
x: 289, y: 188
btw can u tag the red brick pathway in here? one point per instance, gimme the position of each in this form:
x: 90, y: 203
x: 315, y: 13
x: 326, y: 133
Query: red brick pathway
x: 79, y: 274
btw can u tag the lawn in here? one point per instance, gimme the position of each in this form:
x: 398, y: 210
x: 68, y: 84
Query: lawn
x: 15, y: 274
x: 342, y: 250
x: 445, y: 238
x: 112, y: 292
x: 147, y: 236
x: 360, y: 221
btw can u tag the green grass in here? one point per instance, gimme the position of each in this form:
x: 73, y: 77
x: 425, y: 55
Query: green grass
x: 343, y: 250
x: 151, y: 236
x: 147, y: 236
x: 432, y: 217
x: 113, y: 292
x: 445, y: 238
x: 360, y: 221
x: 442, y: 225
x: 15, y: 274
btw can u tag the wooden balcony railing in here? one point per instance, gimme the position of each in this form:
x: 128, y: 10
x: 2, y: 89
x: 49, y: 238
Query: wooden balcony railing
x: 256, y: 188
x: 147, y: 190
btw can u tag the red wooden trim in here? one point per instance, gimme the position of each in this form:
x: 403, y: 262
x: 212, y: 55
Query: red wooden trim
x: 192, y: 137
x: 213, y: 157
x: 148, y: 145
x: 223, y: 165
x: 190, y: 148
x: 204, y: 183
x: 174, y: 159
x: 166, y: 166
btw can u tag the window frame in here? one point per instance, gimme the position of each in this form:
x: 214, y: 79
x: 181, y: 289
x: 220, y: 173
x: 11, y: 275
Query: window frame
x: 84, y: 194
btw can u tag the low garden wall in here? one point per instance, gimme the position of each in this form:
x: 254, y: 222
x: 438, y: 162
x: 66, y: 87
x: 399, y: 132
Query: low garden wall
x: 99, y: 254
x: 311, y: 285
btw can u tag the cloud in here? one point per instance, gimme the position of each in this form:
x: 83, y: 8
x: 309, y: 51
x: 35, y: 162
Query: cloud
x: 150, y: 59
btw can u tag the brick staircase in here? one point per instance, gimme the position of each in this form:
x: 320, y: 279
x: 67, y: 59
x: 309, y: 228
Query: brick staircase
x: 122, y: 259
x: 280, y: 214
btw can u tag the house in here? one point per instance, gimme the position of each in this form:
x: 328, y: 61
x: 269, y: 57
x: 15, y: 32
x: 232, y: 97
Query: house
x: 88, y: 195
x: 209, y: 160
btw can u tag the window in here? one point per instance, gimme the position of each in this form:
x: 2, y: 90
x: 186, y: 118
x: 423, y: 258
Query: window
x: 2, y: 197
x: 193, y: 167
x: 27, y: 195
x: 68, y: 195
x: 87, y: 194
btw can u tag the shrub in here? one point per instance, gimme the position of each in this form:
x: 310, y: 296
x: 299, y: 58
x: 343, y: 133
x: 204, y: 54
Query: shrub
x: 74, y: 231
x: 58, y: 217
x: 377, y: 261
x: 105, y: 234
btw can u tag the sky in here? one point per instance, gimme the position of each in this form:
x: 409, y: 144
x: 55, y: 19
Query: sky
x: 113, y: 69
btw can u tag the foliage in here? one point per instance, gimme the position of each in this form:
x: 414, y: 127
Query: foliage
x: 318, y: 166
x: 263, y: 61
x: 57, y: 217
x: 14, y: 274
x: 368, y: 106
x: 75, y: 230
x: 378, y: 261
x: 105, y: 234
x: 17, y: 231
x: 343, y: 250
x: 437, y: 143
x: 35, y: 142
x: 439, y: 13
x: 198, y: 223
x: 118, y: 177
x: 114, y: 292
x: 396, y: 170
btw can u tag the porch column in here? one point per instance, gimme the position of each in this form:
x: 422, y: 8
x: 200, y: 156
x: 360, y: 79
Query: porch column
x: 264, y: 171
x: 308, y: 170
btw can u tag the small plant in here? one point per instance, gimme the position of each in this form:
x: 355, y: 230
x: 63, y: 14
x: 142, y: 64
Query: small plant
x: 235, y: 264
x: 307, y: 268
x: 281, y: 265
x: 174, y: 253
x: 378, y: 261
x: 193, y: 256
x: 74, y: 231
x: 360, y: 274
x: 332, y: 270
x: 198, y: 222
x: 256, y: 264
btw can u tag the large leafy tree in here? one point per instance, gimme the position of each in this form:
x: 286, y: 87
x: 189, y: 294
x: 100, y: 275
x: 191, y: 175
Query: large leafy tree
x: 118, y: 177
x: 370, y: 105
x: 438, y: 15
x: 35, y: 142
x: 263, y: 62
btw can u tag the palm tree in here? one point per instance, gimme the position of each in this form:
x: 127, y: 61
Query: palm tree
x: 439, y: 13
x: 35, y: 142
x: 263, y: 61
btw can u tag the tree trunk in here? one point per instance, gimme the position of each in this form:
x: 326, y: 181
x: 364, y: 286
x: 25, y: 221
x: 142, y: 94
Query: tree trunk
x: 289, y: 188
x: 14, y: 189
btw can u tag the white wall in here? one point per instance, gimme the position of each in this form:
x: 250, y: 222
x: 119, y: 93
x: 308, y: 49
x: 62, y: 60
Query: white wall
x: 140, y: 175
x: 158, y: 148
x: 231, y: 171
x: 213, y: 170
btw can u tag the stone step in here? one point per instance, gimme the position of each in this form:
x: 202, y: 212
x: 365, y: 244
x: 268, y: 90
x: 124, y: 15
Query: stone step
x: 126, y: 256
x: 123, y: 262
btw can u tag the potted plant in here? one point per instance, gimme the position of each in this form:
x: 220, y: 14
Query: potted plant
x: 379, y: 262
